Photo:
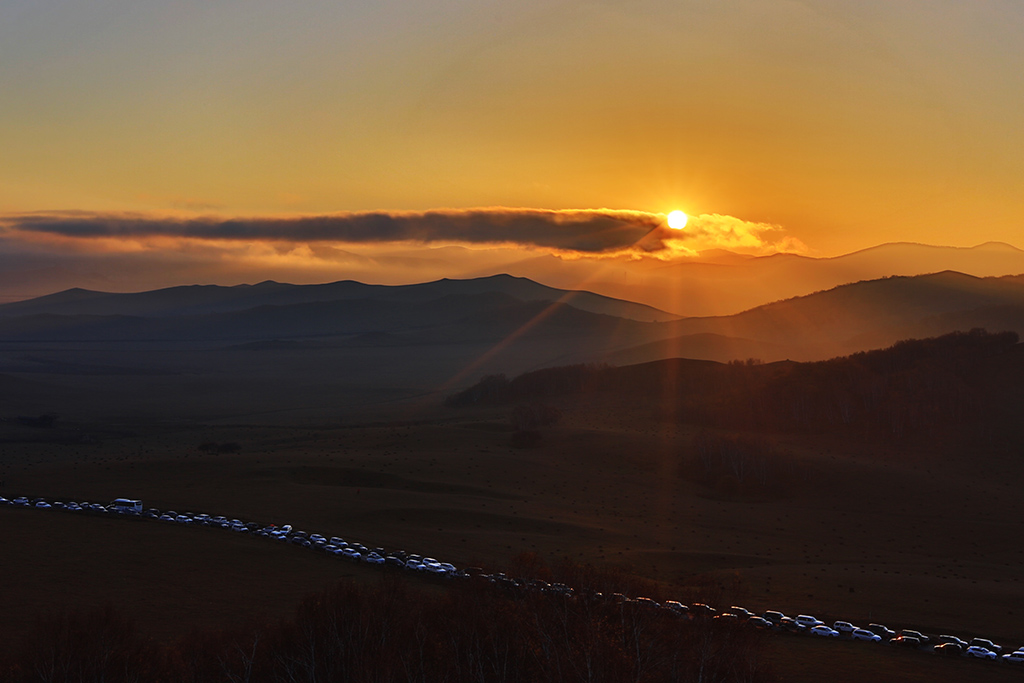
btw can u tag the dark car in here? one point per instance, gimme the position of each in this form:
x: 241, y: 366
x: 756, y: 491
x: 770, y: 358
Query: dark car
x: 907, y: 641
x: 911, y: 633
x: 951, y: 639
x: 792, y: 625
x: 884, y: 631
x: 949, y: 649
x: 773, y: 616
x: 702, y: 610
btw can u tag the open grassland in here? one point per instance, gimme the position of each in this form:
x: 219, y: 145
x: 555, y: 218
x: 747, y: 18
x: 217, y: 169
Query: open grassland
x: 863, y: 532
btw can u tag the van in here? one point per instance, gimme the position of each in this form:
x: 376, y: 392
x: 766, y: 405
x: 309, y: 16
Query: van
x: 126, y: 505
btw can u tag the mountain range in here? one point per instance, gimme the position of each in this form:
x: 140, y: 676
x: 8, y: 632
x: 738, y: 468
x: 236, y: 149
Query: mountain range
x: 342, y: 343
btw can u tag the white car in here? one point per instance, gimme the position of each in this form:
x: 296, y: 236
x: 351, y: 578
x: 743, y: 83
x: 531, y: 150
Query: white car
x: 822, y: 630
x: 1014, y: 657
x: 864, y: 634
x: 807, y: 621
x: 373, y: 558
x: 980, y: 652
x: 844, y: 627
x: 351, y: 553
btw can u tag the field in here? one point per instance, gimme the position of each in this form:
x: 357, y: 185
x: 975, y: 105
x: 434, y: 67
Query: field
x: 857, y: 532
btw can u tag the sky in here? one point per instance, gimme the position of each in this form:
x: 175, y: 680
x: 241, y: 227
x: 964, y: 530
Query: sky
x: 207, y: 139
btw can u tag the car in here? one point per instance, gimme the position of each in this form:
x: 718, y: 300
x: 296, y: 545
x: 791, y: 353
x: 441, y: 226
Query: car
x: 21, y: 500
x: 980, y: 652
x: 350, y: 553
x: 949, y: 649
x: 987, y: 644
x: 807, y: 621
x: 4, y: 501
x: 338, y: 541
x: 906, y: 641
x: 1014, y: 657
x: 773, y: 616
x: 43, y: 504
x: 882, y: 630
x: 317, y: 538
x: 844, y: 627
x: 414, y: 565
x: 741, y: 612
x: 700, y: 609
x: 825, y: 631
x: 760, y: 622
x: 943, y: 639
x: 864, y: 634
x: 126, y: 505
x: 373, y: 558
x: 911, y: 633
x: 792, y: 625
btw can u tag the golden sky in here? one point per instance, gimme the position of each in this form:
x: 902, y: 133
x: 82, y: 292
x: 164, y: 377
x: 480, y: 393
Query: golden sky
x: 819, y: 127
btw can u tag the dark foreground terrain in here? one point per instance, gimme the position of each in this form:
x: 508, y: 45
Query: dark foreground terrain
x: 860, y: 529
x: 878, y: 488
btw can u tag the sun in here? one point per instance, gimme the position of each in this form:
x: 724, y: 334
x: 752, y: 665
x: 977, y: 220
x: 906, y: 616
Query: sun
x: 677, y: 220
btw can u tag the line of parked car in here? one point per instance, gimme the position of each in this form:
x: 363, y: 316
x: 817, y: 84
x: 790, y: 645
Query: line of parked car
x: 979, y: 648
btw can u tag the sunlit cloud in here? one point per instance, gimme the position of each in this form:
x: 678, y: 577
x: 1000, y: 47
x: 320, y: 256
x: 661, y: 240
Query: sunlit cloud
x: 714, y: 231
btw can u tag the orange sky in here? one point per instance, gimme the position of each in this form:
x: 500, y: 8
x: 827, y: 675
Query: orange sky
x: 839, y: 124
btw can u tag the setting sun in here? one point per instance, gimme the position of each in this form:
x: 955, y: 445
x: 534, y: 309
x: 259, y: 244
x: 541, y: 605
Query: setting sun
x: 677, y: 220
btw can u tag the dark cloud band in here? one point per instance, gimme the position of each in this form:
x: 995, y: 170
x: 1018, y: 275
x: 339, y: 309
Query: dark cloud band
x: 588, y: 231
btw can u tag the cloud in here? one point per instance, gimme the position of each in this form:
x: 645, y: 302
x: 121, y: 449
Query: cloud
x: 714, y: 231
x: 573, y: 233
x: 587, y: 231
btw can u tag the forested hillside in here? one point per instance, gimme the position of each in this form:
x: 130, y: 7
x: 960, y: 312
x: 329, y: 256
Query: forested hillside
x: 967, y: 383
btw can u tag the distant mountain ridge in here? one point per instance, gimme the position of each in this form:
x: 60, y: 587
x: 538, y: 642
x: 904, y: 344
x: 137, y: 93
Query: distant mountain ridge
x: 726, y: 284
x: 207, y: 351
x: 210, y: 299
x: 566, y: 326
